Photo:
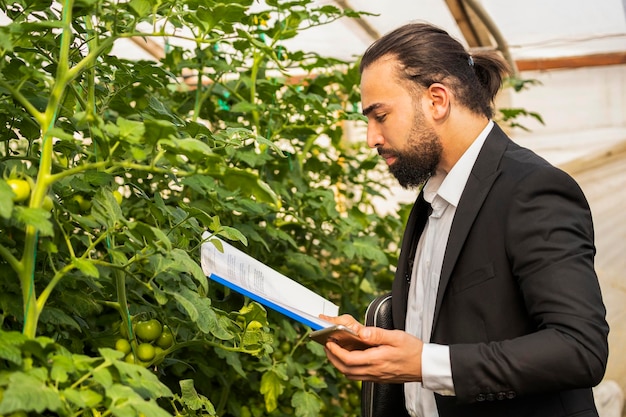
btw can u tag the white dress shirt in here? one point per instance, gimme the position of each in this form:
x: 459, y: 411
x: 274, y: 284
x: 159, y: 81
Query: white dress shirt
x: 443, y: 192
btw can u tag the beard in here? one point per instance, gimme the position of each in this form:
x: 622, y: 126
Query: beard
x: 418, y: 161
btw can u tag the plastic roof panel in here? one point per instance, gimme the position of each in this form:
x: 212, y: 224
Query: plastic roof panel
x: 540, y: 28
x: 532, y: 28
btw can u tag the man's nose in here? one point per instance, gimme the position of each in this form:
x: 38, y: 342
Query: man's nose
x: 374, y: 136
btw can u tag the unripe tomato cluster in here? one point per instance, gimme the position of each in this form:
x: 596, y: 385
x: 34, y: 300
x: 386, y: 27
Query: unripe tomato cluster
x: 152, y: 340
x: 22, y: 189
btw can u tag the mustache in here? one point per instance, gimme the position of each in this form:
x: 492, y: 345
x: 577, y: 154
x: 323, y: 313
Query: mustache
x: 385, y: 153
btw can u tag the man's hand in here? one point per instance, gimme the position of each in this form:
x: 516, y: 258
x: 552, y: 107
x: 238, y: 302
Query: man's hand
x: 395, y: 357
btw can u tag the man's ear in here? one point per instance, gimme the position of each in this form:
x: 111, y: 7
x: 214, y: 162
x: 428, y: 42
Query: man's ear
x: 439, y: 96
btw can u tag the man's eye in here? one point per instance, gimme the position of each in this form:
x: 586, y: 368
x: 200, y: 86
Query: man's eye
x: 380, y: 118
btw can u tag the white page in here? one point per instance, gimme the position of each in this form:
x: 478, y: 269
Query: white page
x: 255, y: 277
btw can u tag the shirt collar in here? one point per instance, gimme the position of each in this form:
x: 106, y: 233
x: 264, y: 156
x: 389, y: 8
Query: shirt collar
x: 450, y: 186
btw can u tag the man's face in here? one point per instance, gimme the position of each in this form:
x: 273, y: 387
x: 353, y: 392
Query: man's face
x: 397, y: 125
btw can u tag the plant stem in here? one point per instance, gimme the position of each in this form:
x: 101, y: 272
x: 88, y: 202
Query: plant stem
x: 12, y: 260
x: 120, y: 287
x: 27, y: 278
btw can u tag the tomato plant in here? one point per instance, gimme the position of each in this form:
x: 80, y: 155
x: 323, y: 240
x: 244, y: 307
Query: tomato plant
x: 138, y: 160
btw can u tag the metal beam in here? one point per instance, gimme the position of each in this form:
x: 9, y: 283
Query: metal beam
x: 461, y: 8
x: 569, y: 62
x: 472, y: 29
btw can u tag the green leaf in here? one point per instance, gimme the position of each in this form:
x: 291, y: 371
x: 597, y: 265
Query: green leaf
x: 36, y: 217
x: 5, y: 41
x: 86, y: 267
x: 184, y: 263
x: 249, y: 184
x: 6, y: 200
x: 158, y: 129
x: 243, y: 107
x: 233, y: 359
x: 83, y: 398
x: 199, y: 311
x: 62, y: 367
x: 10, y: 343
x: 130, y: 130
x: 306, y: 404
x: 366, y: 287
x: 192, y: 399
x: 315, y: 382
x: 58, y: 317
x: 127, y: 403
x: 97, y: 178
x: 190, y: 308
x: 141, y: 7
x: 366, y: 248
x: 29, y: 392
x: 103, y: 375
x: 232, y: 234
x: 272, y: 386
x: 161, y: 237
x: 105, y: 209
x: 193, y: 148
x: 142, y: 380
x: 151, y: 235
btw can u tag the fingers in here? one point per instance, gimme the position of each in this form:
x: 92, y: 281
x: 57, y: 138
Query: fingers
x: 352, y: 367
x: 396, y: 357
x: 345, y: 319
x: 376, y: 336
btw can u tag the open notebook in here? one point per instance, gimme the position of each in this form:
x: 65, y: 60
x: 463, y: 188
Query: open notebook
x: 250, y: 277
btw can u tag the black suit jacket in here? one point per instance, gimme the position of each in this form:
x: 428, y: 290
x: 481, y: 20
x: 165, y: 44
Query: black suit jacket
x: 518, y: 302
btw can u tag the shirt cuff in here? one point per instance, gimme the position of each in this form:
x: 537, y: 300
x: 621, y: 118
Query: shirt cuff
x: 436, y: 369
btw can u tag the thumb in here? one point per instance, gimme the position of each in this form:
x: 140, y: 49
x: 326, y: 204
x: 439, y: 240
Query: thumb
x: 372, y: 335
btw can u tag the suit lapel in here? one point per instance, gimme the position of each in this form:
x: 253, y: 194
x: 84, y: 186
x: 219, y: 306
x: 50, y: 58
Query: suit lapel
x: 480, y: 181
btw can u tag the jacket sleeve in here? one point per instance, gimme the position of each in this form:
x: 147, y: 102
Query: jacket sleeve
x: 548, y: 241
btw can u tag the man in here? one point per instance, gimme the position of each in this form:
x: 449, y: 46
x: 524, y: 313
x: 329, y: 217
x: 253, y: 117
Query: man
x: 496, y: 303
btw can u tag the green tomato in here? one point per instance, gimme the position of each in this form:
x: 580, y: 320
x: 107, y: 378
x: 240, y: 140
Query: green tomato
x: 166, y: 339
x: 158, y: 355
x: 21, y: 189
x: 47, y: 203
x: 245, y: 411
x: 82, y: 203
x: 278, y: 355
x: 148, y: 330
x: 123, y: 345
x: 354, y: 399
x: 285, y: 347
x: 123, y: 330
x: 145, y: 352
x: 130, y: 358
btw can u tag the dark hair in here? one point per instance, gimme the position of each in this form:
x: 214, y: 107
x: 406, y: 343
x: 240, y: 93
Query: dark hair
x: 428, y: 54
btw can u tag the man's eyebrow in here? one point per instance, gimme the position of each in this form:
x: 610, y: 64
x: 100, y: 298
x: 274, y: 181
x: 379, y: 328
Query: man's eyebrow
x: 371, y: 108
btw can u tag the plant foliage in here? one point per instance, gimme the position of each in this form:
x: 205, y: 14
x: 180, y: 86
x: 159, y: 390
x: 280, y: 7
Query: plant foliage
x: 129, y: 161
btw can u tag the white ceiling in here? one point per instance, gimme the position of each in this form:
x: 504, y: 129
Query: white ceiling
x: 532, y: 28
